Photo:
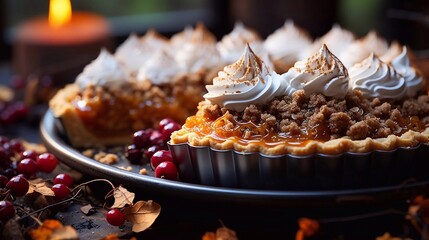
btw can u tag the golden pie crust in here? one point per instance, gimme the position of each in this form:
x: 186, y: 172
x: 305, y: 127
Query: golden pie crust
x: 224, y: 130
x: 106, y: 116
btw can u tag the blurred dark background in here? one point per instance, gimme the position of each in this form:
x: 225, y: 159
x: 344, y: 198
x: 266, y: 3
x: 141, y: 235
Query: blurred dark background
x: 405, y: 21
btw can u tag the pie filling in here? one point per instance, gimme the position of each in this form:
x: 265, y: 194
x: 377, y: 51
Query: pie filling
x: 314, y: 118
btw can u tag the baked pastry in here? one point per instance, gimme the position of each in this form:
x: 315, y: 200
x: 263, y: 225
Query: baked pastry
x: 248, y: 106
x: 144, y: 82
x: 285, y: 46
x: 315, y: 108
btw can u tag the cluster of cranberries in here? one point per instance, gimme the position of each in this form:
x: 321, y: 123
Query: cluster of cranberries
x: 151, y: 145
x: 12, y: 111
x: 17, y: 166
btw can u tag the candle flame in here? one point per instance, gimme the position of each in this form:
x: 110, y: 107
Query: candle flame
x: 60, y: 12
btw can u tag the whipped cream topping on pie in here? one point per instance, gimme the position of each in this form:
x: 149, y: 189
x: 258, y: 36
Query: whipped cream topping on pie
x: 161, y: 68
x: 135, y: 51
x: 199, y: 52
x: 104, y: 70
x: 287, y: 42
x: 394, y: 50
x: 231, y: 45
x: 413, y: 80
x: 181, y: 38
x: 376, y: 79
x: 360, y: 49
x: 337, y: 40
x: 247, y: 81
x: 323, y: 72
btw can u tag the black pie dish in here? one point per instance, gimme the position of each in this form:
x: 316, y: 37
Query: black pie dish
x: 312, y: 191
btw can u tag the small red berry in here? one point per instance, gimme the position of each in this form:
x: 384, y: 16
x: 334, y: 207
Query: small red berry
x: 7, y: 211
x: 164, y: 122
x: 61, y: 191
x: 115, y: 217
x: 27, y: 166
x: 3, y: 181
x: 153, y: 149
x: 133, y: 154
x: 155, y: 138
x: 159, y: 157
x: 29, y: 154
x: 18, y: 185
x: 169, y: 129
x: 16, y: 146
x: 141, y: 138
x: 166, y: 170
x: 47, y: 162
x: 65, y: 179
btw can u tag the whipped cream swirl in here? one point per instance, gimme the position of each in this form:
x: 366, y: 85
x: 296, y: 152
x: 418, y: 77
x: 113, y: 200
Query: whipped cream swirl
x: 337, y: 40
x: 199, y: 52
x: 394, y: 50
x: 105, y: 70
x: 376, y: 79
x: 361, y: 49
x: 323, y: 72
x: 247, y: 81
x: 135, y: 51
x: 287, y: 42
x: 413, y: 80
x: 231, y: 46
x: 161, y: 68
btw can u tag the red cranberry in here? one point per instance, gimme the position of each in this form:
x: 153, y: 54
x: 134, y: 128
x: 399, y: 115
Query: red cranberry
x: 159, y: 157
x: 17, y: 82
x: 153, y: 149
x: 47, y: 162
x: 164, y: 122
x: 65, y: 179
x: 115, y: 217
x: 7, y: 211
x: 29, y: 154
x: 27, y: 166
x: 9, y: 173
x: 18, y: 185
x: 133, y: 154
x: 61, y: 191
x: 3, y: 181
x: 20, y: 109
x: 141, y: 138
x: 168, y: 130
x: 4, y: 158
x: 16, y: 146
x: 166, y: 170
x: 7, y: 116
x: 3, y: 140
x: 155, y: 138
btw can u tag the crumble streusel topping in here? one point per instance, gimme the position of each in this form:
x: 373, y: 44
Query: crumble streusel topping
x: 355, y: 116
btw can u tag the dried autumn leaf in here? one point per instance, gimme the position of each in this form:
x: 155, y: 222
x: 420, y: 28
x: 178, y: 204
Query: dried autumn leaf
x: 64, y: 233
x: 307, y: 228
x: 87, y: 209
x: 38, y: 185
x: 142, y: 214
x: 53, y: 230
x: 224, y: 233
x: 424, y: 211
x: 122, y: 197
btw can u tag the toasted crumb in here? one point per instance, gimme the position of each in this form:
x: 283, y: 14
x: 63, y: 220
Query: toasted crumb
x: 326, y: 118
x: 127, y: 168
x: 107, y: 158
x: 143, y: 171
x: 89, y: 153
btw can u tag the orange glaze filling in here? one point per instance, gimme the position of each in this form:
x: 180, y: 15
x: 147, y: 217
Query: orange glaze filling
x: 124, y: 115
x: 227, y: 127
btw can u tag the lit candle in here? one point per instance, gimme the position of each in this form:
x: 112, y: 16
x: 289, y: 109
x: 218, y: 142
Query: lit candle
x: 62, y: 42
